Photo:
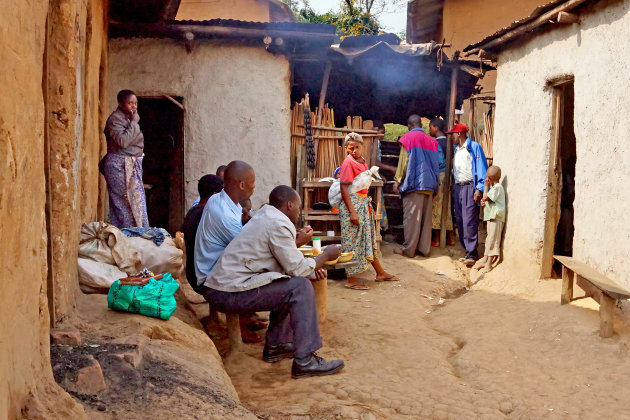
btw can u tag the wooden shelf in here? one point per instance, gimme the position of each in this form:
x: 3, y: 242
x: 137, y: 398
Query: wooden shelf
x: 328, y: 238
x: 324, y: 184
x: 325, y: 238
x: 309, y: 211
x: 325, y: 217
x: 330, y: 216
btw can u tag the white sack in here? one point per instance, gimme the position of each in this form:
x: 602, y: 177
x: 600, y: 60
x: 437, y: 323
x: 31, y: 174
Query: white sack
x: 360, y: 182
x: 97, y: 277
x: 166, y: 258
x: 334, y: 194
x: 105, y: 243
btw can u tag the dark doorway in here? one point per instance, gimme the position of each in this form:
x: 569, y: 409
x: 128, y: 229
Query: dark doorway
x: 162, y: 123
x: 559, y: 229
x: 564, y: 233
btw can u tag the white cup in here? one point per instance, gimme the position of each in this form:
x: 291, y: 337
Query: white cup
x: 331, y: 233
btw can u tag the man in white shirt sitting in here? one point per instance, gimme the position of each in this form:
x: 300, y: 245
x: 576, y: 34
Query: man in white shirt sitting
x: 262, y: 270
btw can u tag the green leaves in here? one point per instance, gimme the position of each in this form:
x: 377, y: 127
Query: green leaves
x: 350, y: 21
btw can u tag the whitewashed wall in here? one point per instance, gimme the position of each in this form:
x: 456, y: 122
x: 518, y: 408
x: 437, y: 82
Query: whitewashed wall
x: 596, y: 52
x: 237, y: 104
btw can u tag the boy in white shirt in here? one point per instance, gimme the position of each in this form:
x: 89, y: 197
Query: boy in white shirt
x: 493, y: 201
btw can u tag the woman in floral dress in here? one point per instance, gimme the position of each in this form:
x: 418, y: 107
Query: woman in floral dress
x: 357, y: 218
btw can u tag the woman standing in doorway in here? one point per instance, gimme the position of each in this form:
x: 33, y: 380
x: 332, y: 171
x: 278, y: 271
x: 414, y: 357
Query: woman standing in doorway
x: 357, y: 218
x: 122, y: 166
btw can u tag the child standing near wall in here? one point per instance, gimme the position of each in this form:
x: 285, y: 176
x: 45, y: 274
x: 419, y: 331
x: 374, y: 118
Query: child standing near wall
x: 494, y: 213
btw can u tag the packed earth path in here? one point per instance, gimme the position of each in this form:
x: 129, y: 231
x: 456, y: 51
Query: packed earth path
x: 428, y: 347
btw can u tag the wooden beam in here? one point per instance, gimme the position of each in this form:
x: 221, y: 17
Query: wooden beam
x: 446, y: 196
x: 177, y: 104
x: 344, y: 130
x: 48, y: 208
x: 322, y: 93
x: 553, y: 185
x: 566, y: 17
x: 189, y: 37
x: 170, y: 9
x: 333, y: 137
x: 171, y: 30
x: 560, y: 80
x: 543, y: 19
x: 320, y: 109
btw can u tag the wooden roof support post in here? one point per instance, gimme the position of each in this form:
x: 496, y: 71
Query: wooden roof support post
x: 322, y: 93
x: 320, y: 109
x: 446, y: 200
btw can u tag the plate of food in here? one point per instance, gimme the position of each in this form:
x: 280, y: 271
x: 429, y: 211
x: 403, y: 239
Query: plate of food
x: 345, y: 257
x: 307, y: 250
x: 331, y: 262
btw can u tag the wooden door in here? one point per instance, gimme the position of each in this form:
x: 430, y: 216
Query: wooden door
x: 554, y: 174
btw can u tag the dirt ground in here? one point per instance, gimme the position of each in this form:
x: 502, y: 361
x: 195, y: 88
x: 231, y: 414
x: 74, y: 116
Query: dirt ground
x: 426, y: 347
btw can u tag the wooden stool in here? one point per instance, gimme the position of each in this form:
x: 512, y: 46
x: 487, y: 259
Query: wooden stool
x: 321, y: 292
x: 233, y: 331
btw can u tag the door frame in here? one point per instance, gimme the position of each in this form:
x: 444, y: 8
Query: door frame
x: 554, y: 174
x: 177, y: 205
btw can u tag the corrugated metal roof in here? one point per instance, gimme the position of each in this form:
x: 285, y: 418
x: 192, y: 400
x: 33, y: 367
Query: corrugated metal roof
x: 279, y: 26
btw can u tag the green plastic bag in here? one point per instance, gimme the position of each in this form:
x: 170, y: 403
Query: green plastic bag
x: 153, y: 299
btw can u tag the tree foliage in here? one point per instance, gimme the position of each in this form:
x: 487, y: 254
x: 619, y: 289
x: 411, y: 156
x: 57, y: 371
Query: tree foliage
x: 355, y: 17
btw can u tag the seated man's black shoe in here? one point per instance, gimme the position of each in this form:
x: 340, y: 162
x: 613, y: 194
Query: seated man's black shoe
x: 272, y: 354
x: 317, y: 366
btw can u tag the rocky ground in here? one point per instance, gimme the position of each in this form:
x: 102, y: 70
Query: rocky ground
x: 124, y: 366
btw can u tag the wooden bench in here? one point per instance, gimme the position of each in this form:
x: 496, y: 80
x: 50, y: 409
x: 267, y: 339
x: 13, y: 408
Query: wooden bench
x: 595, y: 285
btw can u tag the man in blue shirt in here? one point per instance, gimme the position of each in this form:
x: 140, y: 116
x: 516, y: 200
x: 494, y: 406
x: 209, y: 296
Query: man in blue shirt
x: 209, y: 185
x: 469, y: 173
x: 221, y: 219
x: 220, y: 223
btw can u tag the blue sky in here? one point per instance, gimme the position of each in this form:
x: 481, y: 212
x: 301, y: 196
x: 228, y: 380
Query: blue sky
x: 393, y: 21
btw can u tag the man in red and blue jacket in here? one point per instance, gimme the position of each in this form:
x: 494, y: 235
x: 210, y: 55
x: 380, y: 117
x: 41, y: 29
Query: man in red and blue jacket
x: 469, y: 174
x: 417, y: 180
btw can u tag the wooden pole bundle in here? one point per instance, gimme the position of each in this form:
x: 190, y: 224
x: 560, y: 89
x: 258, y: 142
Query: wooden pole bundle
x: 488, y: 133
x: 330, y: 150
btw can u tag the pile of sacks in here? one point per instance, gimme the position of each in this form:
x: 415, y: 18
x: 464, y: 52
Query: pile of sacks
x: 106, y: 255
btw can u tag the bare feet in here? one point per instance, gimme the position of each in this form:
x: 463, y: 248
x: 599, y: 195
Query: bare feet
x: 494, y: 260
x: 481, y: 263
